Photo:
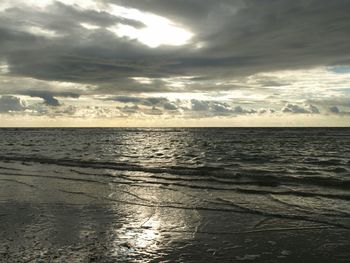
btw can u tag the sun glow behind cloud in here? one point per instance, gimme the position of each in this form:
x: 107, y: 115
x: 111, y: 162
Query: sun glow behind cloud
x: 89, y: 26
x: 154, y: 35
x: 157, y: 30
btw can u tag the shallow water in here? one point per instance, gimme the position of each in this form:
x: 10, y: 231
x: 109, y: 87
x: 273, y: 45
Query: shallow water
x: 175, y: 194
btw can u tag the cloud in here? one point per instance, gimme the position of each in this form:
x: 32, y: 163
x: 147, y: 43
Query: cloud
x: 238, y: 109
x: 51, y: 101
x: 244, y: 57
x: 239, y: 38
x: 266, y: 111
x: 130, y: 109
x: 153, y: 111
x: 220, y: 107
x: 293, y: 108
x: 48, y: 96
x: 187, y: 108
x: 11, y: 103
x: 334, y: 109
x: 197, y: 105
x: 343, y: 101
x: 170, y: 106
x: 313, y: 109
x: 125, y: 99
x: 202, y: 108
x: 148, y: 101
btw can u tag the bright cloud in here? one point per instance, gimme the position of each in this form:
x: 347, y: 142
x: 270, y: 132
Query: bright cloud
x: 157, y: 30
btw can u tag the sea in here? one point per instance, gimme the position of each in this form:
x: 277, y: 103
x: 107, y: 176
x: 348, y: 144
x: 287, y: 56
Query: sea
x: 200, y: 183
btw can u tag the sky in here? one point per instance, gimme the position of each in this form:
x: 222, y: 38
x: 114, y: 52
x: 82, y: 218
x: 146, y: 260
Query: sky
x: 174, y: 63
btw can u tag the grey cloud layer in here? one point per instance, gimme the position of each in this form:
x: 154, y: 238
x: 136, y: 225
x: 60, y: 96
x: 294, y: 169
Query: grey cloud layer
x: 202, y: 108
x: 239, y: 37
x: 232, y: 40
x: 127, y: 106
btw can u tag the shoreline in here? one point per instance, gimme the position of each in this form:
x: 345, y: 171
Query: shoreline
x: 54, y: 220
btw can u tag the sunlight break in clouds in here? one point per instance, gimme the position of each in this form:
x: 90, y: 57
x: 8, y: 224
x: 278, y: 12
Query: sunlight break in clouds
x: 157, y: 31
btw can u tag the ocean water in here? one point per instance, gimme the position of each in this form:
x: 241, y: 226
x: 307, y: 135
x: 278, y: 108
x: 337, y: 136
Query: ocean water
x: 197, y: 182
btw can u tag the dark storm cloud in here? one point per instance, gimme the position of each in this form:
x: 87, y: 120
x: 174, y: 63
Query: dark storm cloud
x: 239, y: 38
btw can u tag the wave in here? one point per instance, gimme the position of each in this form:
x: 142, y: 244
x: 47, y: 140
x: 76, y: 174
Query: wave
x: 219, y: 175
x: 321, y: 162
x: 230, y: 206
x: 130, y: 180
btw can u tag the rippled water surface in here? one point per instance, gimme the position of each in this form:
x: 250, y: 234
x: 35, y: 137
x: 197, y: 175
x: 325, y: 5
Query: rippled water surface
x: 175, y: 194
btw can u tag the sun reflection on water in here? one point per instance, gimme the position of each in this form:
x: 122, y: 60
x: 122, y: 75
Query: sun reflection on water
x: 148, y: 227
x: 149, y: 234
x: 148, y: 218
x: 140, y: 234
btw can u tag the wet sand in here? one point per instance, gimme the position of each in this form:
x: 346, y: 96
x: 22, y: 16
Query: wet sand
x: 45, y: 218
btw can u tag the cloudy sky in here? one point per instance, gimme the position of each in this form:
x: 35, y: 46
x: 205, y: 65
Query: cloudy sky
x: 174, y: 63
